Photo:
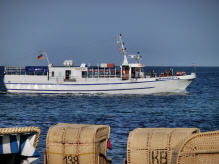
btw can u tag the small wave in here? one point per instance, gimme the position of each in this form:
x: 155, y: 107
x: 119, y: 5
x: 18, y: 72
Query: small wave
x: 3, y: 92
x: 181, y: 93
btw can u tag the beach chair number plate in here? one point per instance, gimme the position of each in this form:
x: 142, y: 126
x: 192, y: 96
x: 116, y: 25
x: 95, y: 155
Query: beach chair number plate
x: 70, y: 159
x: 159, y: 156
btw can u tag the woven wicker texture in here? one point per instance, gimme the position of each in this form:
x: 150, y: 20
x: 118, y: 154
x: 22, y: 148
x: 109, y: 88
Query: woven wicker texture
x: 156, y: 145
x: 76, y: 143
x: 22, y: 130
x: 202, y: 148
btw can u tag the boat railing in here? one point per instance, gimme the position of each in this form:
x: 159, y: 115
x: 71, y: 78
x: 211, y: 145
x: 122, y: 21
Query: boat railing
x: 22, y: 71
x: 101, y: 73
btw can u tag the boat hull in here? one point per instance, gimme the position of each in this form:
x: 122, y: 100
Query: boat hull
x: 40, y: 84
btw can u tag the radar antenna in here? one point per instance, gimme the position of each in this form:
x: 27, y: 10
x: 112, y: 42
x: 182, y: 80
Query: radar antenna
x: 137, y: 57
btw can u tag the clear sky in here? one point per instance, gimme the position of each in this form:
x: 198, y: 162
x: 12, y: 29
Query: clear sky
x: 166, y: 32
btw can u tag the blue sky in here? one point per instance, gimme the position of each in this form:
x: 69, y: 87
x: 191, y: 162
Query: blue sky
x: 166, y: 32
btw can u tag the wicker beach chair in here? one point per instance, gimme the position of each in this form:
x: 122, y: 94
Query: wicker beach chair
x: 18, y: 145
x: 156, y: 145
x: 202, y: 148
x: 77, y: 143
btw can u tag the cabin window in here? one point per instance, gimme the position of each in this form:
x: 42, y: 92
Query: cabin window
x: 136, y: 72
x: 53, y: 73
x: 133, y: 72
x: 125, y: 72
x: 100, y: 73
x: 84, y: 74
x: 67, y: 74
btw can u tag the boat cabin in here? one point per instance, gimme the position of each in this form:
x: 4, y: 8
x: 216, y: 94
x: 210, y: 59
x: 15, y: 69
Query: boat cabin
x: 132, y: 71
x: 126, y: 72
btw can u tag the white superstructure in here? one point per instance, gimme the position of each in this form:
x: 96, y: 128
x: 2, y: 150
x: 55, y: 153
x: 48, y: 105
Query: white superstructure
x: 129, y: 78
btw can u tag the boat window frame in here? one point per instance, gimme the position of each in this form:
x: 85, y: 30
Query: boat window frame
x: 69, y: 75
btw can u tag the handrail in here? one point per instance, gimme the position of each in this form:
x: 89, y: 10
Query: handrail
x: 9, y: 70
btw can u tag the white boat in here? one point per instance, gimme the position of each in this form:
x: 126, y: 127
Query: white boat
x: 129, y: 78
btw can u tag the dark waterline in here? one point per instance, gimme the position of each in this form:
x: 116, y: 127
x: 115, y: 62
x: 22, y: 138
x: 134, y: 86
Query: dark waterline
x: 198, y: 107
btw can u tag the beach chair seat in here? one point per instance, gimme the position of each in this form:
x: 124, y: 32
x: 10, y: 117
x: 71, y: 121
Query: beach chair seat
x: 202, y: 148
x: 156, y: 145
x: 77, y: 143
x: 18, y: 145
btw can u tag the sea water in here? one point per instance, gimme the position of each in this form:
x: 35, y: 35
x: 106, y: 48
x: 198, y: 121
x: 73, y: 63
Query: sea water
x: 197, y: 107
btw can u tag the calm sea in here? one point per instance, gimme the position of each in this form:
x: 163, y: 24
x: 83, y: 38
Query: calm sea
x: 198, y: 107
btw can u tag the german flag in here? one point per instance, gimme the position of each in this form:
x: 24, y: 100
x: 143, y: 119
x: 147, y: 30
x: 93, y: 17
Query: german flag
x: 40, y: 57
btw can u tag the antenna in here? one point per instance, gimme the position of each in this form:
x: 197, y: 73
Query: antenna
x: 137, y: 57
x: 122, y: 49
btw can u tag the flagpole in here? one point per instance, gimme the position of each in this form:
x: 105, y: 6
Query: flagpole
x: 194, y: 67
x: 44, y: 53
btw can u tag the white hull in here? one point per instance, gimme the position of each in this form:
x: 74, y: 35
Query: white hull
x: 40, y: 84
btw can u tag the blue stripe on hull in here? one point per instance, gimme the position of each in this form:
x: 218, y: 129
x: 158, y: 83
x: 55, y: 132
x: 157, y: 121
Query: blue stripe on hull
x: 80, y: 84
x: 101, y: 90
x: 137, y: 82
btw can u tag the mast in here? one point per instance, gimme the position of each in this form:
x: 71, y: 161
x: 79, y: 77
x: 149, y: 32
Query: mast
x: 45, y: 54
x: 122, y: 50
